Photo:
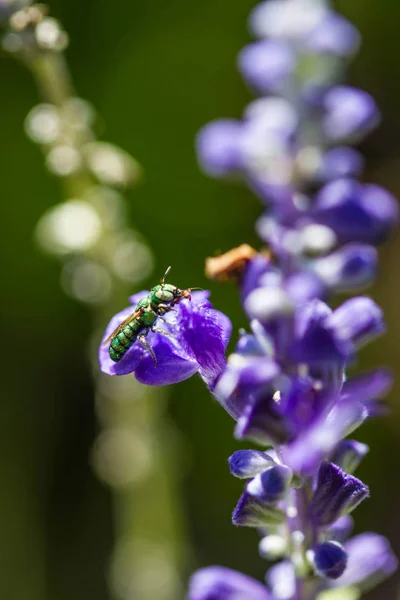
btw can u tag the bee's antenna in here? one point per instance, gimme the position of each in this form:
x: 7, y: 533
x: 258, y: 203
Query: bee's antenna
x: 165, y: 276
x: 196, y: 288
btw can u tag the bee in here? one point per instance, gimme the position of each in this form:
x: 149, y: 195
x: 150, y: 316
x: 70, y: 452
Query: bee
x: 160, y: 300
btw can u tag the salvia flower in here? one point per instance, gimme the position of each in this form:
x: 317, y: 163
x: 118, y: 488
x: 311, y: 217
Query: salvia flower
x: 289, y: 384
x: 197, y: 336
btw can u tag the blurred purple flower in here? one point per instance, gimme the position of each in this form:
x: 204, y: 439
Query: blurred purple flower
x: 220, y: 583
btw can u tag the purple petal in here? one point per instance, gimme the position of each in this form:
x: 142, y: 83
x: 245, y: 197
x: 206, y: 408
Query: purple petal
x: 356, y: 212
x: 205, y: 333
x: 368, y: 387
x: 341, y: 529
x: 314, y: 313
x: 266, y: 65
x: 318, y: 441
x: 243, y: 376
x: 302, y: 402
x: 315, y: 343
x: 281, y: 20
x: 350, y: 113
x: 334, y: 35
x: 282, y: 580
x: 304, y: 286
x: 134, y: 299
x: 261, y: 421
x: 218, y: 147
x: 352, y: 267
x: 172, y: 366
x: 220, y: 583
x: 357, y: 320
x: 343, y: 161
x: 370, y: 561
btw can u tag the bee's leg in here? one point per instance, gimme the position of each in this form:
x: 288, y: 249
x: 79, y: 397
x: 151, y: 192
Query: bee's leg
x: 162, y: 332
x: 164, y: 308
x: 141, y: 338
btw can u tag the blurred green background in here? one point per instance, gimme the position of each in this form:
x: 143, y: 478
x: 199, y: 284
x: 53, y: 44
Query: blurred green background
x: 156, y: 71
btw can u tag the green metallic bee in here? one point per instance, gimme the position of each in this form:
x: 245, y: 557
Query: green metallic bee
x: 160, y: 300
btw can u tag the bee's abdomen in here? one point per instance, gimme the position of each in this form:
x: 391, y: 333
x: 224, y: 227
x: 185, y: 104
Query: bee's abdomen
x: 121, y: 343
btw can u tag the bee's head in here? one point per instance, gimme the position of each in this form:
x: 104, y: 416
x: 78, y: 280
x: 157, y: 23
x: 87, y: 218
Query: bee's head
x: 165, y: 293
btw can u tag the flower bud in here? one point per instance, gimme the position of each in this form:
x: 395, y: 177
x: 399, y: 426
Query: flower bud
x: 329, y: 559
x: 249, y: 463
x: 336, y: 494
x: 271, y: 485
x: 350, y: 114
x: 333, y: 35
x: 267, y: 64
x: 252, y: 512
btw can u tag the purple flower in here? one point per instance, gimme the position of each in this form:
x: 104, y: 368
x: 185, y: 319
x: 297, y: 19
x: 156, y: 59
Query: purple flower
x: 342, y: 161
x: 267, y: 65
x: 350, y: 114
x: 286, y: 384
x: 351, y: 268
x: 293, y: 21
x: 357, y: 213
x: 218, y: 146
x: 323, y: 336
x: 220, y: 583
x: 333, y: 35
x: 199, y: 336
x: 337, y: 494
x: 341, y: 415
x: 281, y: 580
x: 371, y: 560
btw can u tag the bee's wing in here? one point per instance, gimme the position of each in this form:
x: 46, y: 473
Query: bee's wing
x: 124, y: 323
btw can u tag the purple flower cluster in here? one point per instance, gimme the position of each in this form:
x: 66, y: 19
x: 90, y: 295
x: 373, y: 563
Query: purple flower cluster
x: 286, y: 384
